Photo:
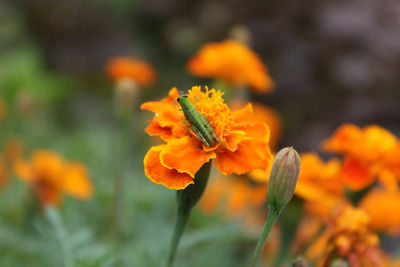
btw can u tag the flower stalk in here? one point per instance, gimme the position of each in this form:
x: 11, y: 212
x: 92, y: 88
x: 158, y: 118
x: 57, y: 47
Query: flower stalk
x: 282, y: 183
x: 272, y: 216
x: 187, y: 199
x: 126, y: 94
x: 53, y: 216
x: 124, y: 135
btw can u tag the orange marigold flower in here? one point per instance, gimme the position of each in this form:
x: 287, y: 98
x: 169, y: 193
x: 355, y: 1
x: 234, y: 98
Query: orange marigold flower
x: 238, y: 196
x: 50, y: 176
x: 243, y: 143
x: 383, y: 219
x: 369, y: 153
x: 232, y: 62
x: 347, y: 237
x: 119, y: 68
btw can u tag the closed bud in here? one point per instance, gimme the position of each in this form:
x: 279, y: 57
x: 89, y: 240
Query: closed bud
x: 283, y: 178
x: 126, y: 93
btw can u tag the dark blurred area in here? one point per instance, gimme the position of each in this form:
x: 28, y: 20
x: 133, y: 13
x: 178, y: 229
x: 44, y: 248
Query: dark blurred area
x: 333, y: 61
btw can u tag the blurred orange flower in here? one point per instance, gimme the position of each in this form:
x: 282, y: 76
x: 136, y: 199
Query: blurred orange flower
x: 11, y: 151
x: 2, y: 109
x: 4, y: 174
x: 319, y: 184
x: 232, y: 62
x: 394, y: 263
x: 119, y: 68
x: 373, y: 202
x: 347, y: 237
x: 50, y: 176
x: 369, y: 153
x: 243, y: 143
x: 239, y: 196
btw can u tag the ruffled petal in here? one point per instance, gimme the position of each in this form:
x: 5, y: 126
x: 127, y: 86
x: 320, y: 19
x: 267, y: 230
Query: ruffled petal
x: 250, y: 155
x: 233, y: 139
x: 344, y: 140
x: 159, y: 174
x: 258, y: 131
x: 173, y: 94
x: 244, y: 114
x: 167, y: 123
x: 154, y: 129
x: 167, y: 112
x: 355, y: 174
x: 185, y: 155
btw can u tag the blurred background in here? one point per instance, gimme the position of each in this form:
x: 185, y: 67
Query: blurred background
x: 333, y: 61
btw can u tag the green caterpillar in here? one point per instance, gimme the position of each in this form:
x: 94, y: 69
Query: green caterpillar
x: 198, y: 122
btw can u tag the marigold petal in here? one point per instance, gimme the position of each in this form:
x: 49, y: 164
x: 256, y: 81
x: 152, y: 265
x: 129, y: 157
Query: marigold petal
x: 250, y: 155
x: 258, y: 131
x: 185, y: 155
x: 154, y: 129
x: 159, y: 174
x: 233, y: 139
x: 260, y: 113
x: 388, y: 179
x: 355, y: 174
x: 23, y: 170
x: 125, y: 67
x: 344, y: 139
x: 383, y: 219
x: 173, y: 94
x: 244, y: 114
x: 76, y: 182
x: 162, y: 110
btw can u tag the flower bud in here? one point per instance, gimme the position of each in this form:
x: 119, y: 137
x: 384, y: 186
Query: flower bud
x: 126, y: 93
x: 283, y: 178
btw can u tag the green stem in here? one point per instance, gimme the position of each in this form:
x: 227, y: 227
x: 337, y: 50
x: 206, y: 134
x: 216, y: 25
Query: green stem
x: 272, y: 216
x: 180, y: 223
x: 55, y: 220
x: 187, y: 199
x: 122, y: 156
